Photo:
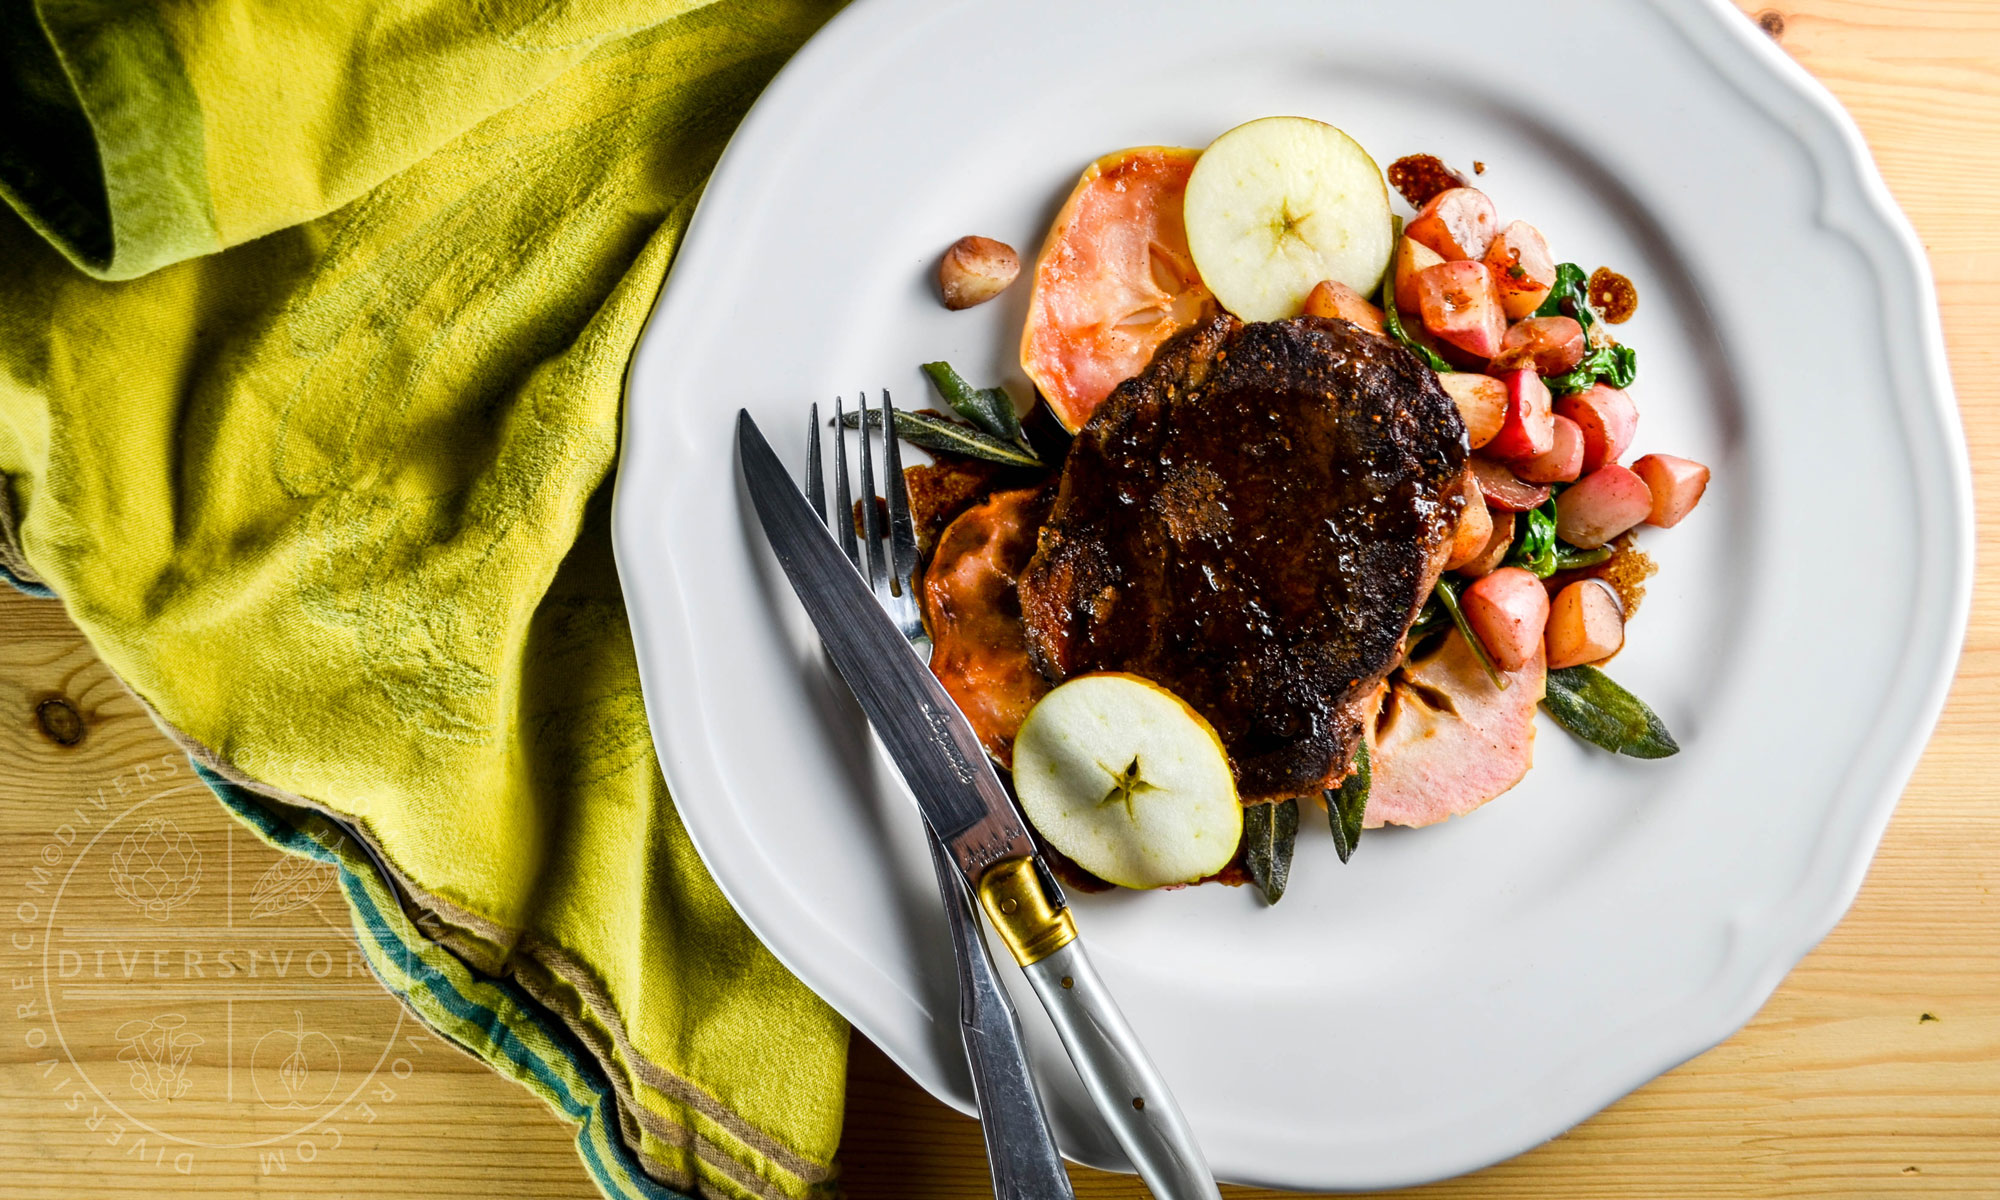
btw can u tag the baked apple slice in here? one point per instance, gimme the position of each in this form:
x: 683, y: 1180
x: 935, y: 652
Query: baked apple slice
x: 1445, y: 740
x: 1114, y: 280
x: 972, y: 610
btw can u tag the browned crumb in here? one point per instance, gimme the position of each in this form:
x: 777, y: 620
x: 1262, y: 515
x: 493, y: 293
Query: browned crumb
x: 1627, y: 571
x: 1478, y: 168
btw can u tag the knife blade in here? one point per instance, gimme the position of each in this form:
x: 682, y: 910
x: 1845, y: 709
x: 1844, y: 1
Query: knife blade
x: 970, y: 812
x: 929, y: 739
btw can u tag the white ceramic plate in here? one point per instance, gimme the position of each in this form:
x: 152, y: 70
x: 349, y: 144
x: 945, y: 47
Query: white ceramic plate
x: 1459, y: 993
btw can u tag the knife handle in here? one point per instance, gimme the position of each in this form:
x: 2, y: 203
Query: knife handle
x: 1122, y: 1081
x: 1020, y: 1149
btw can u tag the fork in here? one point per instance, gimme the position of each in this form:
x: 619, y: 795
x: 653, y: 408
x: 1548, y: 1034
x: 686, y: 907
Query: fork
x: 1020, y: 1150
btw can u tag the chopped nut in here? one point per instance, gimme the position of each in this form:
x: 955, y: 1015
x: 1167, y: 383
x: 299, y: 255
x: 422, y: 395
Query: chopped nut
x: 975, y: 270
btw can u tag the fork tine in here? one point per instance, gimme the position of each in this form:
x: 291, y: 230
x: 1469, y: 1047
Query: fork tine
x: 902, y: 532
x: 871, y: 517
x: 815, y: 475
x: 841, y: 520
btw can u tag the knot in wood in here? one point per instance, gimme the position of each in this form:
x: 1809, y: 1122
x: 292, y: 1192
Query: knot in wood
x: 60, y: 721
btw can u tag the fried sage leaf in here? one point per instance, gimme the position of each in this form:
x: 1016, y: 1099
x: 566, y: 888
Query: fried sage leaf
x: 1346, y: 804
x: 991, y: 409
x: 947, y: 437
x: 1586, y: 702
x: 1269, y: 833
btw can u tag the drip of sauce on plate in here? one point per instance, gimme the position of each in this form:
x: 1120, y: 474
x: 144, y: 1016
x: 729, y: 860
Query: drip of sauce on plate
x: 1421, y: 176
x: 1613, y: 295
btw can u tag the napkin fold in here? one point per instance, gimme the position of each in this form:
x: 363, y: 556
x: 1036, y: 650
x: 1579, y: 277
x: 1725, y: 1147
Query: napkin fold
x: 314, y: 321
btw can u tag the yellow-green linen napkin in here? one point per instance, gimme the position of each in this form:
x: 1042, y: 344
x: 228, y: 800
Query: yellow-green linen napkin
x: 314, y: 320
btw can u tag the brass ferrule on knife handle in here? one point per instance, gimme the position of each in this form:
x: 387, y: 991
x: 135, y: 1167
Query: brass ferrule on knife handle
x: 1021, y: 909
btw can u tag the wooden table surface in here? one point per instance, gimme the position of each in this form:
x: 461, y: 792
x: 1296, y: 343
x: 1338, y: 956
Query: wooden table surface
x: 1874, y: 1071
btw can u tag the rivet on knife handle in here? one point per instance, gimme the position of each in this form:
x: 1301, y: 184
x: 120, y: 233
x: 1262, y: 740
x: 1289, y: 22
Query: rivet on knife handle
x: 1021, y: 910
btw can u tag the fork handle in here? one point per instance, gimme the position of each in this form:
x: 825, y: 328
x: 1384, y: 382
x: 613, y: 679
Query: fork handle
x: 1020, y: 1150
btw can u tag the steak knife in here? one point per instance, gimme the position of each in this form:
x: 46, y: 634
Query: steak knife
x: 965, y: 805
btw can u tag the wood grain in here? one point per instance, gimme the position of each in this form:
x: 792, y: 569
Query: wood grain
x: 1874, y: 1071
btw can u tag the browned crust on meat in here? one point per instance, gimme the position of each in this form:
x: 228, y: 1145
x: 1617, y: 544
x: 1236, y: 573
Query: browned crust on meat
x: 1253, y: 522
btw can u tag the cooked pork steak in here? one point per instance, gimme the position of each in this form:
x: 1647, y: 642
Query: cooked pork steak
x: 1253, y: 522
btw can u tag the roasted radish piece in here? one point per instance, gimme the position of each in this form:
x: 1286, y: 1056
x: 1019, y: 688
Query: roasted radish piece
x: 1332, y: 298
x: 1459, y: 305
x: 1529, y: 426
x: 1548, y: 345
x: 1114, y: 280
x: 1608, y: 419
x: 1586, y: 624
x: 1564, y: 460
x: 1445, y: 740
x: 1676, y: 484
x: 1602, y: 505
x: 1482, y: 403
x: 1508, y: 609
x: 1523, y: 271
x: 1458, y: 224
x: 1412, y: 259
x: 976, y: 269
x: 1505, y: 490
x: 1475, y: 528
x: 1494, y: 553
